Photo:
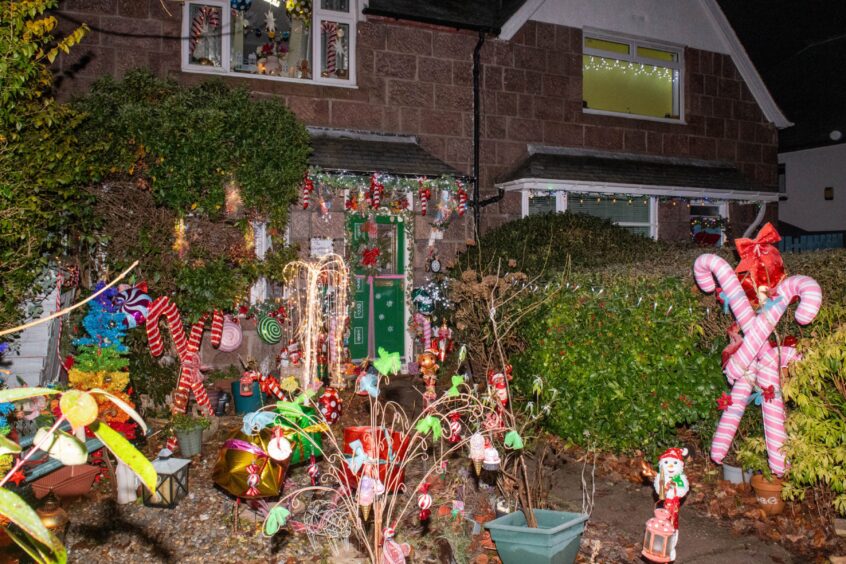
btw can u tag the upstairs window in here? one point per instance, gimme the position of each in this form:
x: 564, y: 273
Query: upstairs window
x: 631, y: 77
x: 286, y: 40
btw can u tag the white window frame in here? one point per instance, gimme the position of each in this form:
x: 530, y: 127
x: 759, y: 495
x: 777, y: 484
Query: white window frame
x: 633, y: 43
x: 561, y: 206
x: 318, y: 14
x: 722, y: 209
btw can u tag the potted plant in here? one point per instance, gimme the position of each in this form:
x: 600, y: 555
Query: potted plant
x: 752, y: 454
x: 189, y: 433
x: 733, y: 472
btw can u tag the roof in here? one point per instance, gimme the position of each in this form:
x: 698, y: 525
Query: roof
x: 801, y: 54
x: 557, y: 168
x: 478, y: 15
x: 354, y: 151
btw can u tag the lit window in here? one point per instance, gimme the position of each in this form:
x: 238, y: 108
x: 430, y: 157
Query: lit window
x: 286, y: 40
x: 708, y: 222
x: 623, y: 76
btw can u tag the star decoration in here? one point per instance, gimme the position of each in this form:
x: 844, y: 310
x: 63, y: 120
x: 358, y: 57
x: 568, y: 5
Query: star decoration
x: 724, y: 401
x: 17, y: 477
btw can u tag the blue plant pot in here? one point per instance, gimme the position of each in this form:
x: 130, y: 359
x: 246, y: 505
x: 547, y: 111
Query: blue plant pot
x: 555, y: 541
x: 246, y: 404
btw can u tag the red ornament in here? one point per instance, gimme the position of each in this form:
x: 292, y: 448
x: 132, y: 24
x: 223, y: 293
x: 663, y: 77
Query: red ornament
x: 462, y: 200
x: 308, y: 188
x: 768, y: 393
x: 454, y: 427
x: 370, y: 256
x: 724, y: 401
x: 424, y: 501
x: 761, y: 265
x: 425, y: 194
x: 17, y: 477
x: 331, y: 405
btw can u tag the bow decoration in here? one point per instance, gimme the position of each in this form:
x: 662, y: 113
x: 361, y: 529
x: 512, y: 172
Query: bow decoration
x: 369, y: 384
x: 456, y: 382
x: 276, y: 519
x: 513, y: 440
x: 430, y: 423
x: 388, y: 364
x: 358, y: 457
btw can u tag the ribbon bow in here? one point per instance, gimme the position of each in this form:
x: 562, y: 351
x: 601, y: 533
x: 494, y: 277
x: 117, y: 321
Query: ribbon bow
x: 456, y: 381
x: 290, y: 409
x: 358, y: 457
x: 388, y: 364
x: 430, y: 423
x: 276, y: 519
x: 369, y: 384
x: 513, y: 440
x: 760, y: 245
x: 256, y: 421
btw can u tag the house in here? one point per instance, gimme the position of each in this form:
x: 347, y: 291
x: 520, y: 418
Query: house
x: 650, y: 114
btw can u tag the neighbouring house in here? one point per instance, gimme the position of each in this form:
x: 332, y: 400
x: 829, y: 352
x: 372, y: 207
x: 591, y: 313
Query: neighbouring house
x: 650, y: 114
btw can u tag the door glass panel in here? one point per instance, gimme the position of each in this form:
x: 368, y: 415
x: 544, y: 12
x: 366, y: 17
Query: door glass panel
x: 387, y: 237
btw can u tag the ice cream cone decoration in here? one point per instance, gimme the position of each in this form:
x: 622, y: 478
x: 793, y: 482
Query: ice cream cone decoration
x: 366, y: 495
x: 477, y: 451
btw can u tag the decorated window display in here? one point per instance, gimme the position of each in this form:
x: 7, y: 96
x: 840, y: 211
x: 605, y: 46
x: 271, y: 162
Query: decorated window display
x: 284, y: 40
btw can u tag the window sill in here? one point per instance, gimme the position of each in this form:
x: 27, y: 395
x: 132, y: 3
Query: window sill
x: 213, y: 71
x: 591, y: 111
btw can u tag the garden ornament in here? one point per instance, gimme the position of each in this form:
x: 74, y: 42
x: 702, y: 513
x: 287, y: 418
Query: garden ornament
x: 754, y: 363
x: 671, y: 485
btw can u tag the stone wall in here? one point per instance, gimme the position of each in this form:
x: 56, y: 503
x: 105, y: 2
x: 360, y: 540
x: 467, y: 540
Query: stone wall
x: 417, y: 79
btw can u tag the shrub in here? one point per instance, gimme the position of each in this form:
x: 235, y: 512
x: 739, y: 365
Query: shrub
x: 626, y: 356
x: 548, y: 243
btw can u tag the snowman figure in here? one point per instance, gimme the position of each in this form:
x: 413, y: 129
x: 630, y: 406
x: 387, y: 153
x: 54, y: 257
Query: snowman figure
x: 671, y: 485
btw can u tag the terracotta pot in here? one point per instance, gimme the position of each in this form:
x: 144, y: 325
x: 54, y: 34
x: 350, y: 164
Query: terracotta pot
x: 768, y: 493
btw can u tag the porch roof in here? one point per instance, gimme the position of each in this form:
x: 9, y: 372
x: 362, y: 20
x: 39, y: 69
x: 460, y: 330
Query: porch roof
x: 594, y: 171
x: 360, y: 152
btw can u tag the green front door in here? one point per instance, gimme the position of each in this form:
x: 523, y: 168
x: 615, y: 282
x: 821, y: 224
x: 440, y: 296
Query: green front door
x: 378, y: 308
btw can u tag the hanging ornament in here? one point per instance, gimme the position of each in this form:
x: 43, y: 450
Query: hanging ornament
x: 462, y: 200
x: 313, y: 470
x: 308, y: 188
x: 424, y: 502
x: 425, y: 195
x: 269, y: 330
x: 294, y: 352
x: 377, y: 189
x: 491, y: 458
x: 444, y: 341
x: 454, y: 427
x: 477, y: 451
x: 366, y: 495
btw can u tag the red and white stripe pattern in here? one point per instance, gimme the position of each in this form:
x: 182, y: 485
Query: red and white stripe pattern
x: 755, y: 355
x: 462, y: 200
x: 270, y: 385
x: 330, y: 29
x: 216, y: 328
x: 207, y: 16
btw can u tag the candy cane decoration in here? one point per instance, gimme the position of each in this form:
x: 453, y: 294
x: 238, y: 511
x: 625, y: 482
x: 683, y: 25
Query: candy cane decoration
x: 206, y: 16
x: 755, y: 355
x: 270, y: 385
x: 331, y: 31
x: 425, y: 194
x: 376, y: 190
x: 308, y: 188
x: 462, y: 200
x: 190, y: 377
x: 426, y: 324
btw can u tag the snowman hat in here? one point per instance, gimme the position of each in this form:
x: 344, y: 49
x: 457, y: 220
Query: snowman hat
x: 677, y: 453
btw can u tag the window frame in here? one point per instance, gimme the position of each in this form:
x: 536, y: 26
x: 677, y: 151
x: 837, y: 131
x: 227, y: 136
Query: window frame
x: 561, y: 198
x: 632, y: 57
x: 318, y: 14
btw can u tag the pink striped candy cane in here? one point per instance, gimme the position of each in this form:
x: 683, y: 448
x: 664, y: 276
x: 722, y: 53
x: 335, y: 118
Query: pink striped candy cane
x: 426, y: 324
x: 772, y: 361
x: 331, y: 31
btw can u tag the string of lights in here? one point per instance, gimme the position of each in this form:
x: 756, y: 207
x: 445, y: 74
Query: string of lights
x: 626, y: 67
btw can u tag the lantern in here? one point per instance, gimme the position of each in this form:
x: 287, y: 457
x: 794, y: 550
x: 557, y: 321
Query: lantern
x: 247, y: 384
x: 53, y: 516
x: 658, y: 539
x: 172, y: 481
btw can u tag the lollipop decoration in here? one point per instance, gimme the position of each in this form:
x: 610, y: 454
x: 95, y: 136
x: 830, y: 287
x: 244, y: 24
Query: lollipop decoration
x: 269, y: 330
x: 134, y: 303
x: 424, y: 502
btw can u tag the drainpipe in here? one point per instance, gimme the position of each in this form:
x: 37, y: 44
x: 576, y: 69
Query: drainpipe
x: 477, y: 112
x: 762, y: 211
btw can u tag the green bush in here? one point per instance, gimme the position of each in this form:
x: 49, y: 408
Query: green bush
x: 629, y: 369
x: 547, y: 243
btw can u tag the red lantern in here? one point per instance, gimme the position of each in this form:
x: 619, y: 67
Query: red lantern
x: 247, y: 384
x: 658, y: 540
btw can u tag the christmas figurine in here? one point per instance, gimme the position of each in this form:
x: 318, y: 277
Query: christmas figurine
x: 672, y: 485
x: 428, y: 362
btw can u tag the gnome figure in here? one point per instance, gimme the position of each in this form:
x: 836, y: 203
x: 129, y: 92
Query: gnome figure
x: 671, y: 485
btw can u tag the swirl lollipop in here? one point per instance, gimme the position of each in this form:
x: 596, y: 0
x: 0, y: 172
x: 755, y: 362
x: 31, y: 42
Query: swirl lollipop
x: 133, y: 303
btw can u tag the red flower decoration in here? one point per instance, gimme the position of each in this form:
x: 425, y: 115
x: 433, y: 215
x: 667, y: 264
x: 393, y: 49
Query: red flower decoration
x: 724, y: 401
x: 768, y: 393
x: 369, y: 257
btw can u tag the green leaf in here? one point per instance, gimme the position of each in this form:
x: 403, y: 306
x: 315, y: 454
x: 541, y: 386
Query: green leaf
x: 8, y: 447
x: 124, y: 406
x: 17, y: 394
x: 276, y: 519
x: 18, y: 512
x: 513, y: 440
x: 126, y: 453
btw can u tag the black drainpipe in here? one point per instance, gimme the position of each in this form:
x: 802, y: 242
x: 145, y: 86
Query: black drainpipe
x: 477, y: 111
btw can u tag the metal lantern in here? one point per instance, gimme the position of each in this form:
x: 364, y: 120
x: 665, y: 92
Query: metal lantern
x: 658, y: 538
x: 53, y: 516
x: 247, y: 384
x: 172, y: 481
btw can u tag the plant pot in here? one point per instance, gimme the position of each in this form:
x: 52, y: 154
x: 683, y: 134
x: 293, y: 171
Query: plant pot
x: 190, y: 441
x: 246, y: 404
x: 736, y: 475
x: 67, y: 481
x: 840, y: 527
x: 555, y: 541
x: 768, y: 493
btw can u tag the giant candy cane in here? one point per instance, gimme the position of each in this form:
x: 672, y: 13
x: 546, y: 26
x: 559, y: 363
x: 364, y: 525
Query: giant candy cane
x: 190, y: 378
x: 755, y: 355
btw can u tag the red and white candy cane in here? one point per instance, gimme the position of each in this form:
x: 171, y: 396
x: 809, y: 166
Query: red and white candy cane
x: 462, y: 200
x: 425, y: 194
x: 376, y: 191
x: 190, y: 378
x: 755, y: 355
x: 767, y: 369
x: 206, y: 16
x: 426, y: 325
x: 330, y: 29
x: 270, y: 385
x: 308, y: 188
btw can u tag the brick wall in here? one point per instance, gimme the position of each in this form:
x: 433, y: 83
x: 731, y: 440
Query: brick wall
x: 417, y: 79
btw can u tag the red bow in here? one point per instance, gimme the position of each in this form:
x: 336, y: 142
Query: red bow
x: 752, y: 250
x: 760, y: 261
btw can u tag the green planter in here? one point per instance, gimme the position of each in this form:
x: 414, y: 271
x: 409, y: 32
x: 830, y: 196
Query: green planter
x: 555, y: 541
x: 190, y: 442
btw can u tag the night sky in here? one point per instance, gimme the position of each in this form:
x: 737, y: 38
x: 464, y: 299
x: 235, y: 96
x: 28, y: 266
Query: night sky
x: 799, y: 48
